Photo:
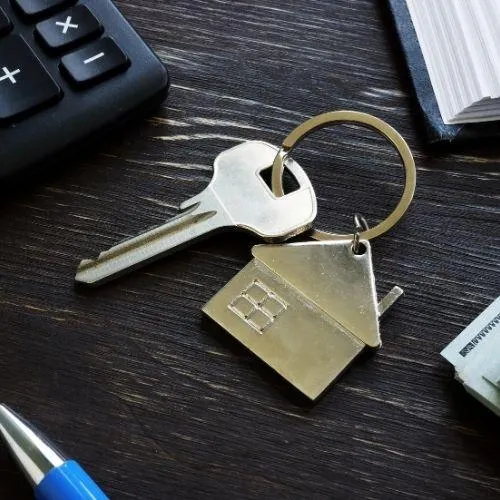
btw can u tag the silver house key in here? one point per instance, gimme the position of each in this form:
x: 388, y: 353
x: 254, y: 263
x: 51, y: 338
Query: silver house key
x: 236, y: 198
x: 308, y: 309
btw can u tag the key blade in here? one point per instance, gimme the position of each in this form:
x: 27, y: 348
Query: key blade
x: 192, y: 224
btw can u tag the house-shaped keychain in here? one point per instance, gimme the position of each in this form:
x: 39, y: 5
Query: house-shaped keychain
x: 306, y: 309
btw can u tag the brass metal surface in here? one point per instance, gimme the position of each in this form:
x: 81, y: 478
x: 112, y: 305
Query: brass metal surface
x: 367, y: 120
x: 306, y: 309
x: 388, y: 300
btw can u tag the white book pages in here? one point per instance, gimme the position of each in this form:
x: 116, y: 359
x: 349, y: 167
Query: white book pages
x: 460, y: 43
x: 489, y: 16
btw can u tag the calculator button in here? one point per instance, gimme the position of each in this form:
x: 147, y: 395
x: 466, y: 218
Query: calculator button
x: 24, y: 83
x: 95, y: 62
x: 73, y: 26
x: 38, y: 7
x: 5, y: 24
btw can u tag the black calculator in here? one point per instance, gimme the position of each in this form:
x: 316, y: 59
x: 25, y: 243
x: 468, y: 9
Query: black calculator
x: 69, y: 70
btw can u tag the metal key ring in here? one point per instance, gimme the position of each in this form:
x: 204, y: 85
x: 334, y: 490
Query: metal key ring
x: 320, y: 121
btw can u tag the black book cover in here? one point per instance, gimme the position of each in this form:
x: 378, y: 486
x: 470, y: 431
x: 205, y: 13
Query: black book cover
x: 437, y: 130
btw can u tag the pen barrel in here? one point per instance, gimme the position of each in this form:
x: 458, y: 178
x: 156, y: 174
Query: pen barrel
x: 68, y: 482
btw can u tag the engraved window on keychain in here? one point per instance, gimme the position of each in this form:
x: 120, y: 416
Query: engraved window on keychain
x: 309, y: 329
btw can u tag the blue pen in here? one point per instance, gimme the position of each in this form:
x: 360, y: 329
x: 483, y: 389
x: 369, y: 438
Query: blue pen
x: 52, y: 476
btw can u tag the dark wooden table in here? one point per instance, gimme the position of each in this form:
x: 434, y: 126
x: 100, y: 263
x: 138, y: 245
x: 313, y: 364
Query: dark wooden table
x: 148, y: 395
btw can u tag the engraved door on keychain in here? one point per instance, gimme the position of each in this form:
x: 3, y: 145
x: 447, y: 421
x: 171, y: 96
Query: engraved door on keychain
x: 308, y: 309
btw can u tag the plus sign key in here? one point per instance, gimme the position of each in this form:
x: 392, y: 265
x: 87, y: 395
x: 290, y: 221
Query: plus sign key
x: 25, y: 85
x: 68, y: 29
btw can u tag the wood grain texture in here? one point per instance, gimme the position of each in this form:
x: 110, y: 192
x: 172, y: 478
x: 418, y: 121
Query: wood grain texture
x: 154, y: 400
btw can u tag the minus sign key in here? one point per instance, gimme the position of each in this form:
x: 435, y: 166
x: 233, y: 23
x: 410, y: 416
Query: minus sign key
x: 94, y: 58
x: 94, y: 63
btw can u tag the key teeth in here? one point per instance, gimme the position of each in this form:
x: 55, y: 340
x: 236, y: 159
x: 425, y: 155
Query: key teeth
x: 81, y: 271
x: 192, y: 203
x: 84, y: 276
x: 85, y: 263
